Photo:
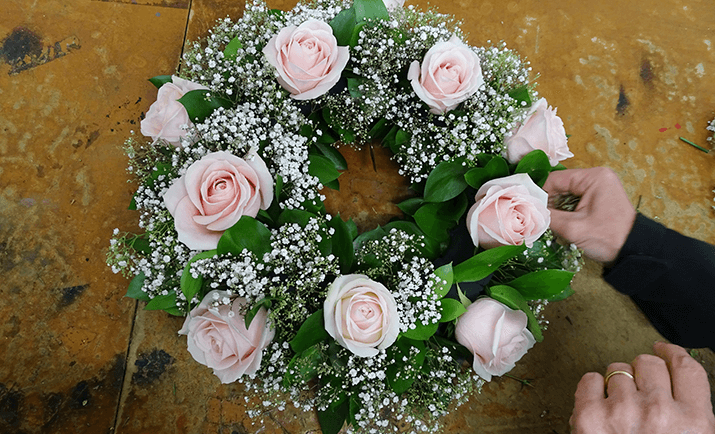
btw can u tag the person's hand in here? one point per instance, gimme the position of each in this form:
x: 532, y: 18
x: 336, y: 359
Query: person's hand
x: 669, y: 394
x: 604, y: 216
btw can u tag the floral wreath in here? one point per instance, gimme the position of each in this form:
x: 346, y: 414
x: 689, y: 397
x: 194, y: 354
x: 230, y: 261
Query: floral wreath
x: 368, y: 328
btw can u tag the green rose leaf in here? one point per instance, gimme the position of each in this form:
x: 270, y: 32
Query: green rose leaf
x: 189, y: 284
x: 333, y: 418
x: 201, y: 103
x: 342, y: 244
x: 343, y: 25
x: 303, y: 367
x: 232, y: 48
x: 536, y: 165
x: 411, y: 205
x: 566, y: 293
x: 135, y: 288
x: 352, y: 229
x: 513, y: 299
x: 370, y: 9
x: 162, y: 169
x: 542, y: 284
x: 445, y: 182
x: 451, y: 309
x: 141, y: 244
x: 310, y: 333
x: 401, y: 375
x: 333, y: 155
x: 247, y: 233
x: 295, y: 216
x: 264, y: 303
x: 160, y: 80
x: 354, y: 409
x: 421, y: 332
x: 520, y: 94
x: 432, y: 222
x: 162, y: 302
x: 482, y: 265
x: 497, y: 167
x: 133, y: 203
x: 444, y: 277
x: 379, y: 130
x: 322, y: 168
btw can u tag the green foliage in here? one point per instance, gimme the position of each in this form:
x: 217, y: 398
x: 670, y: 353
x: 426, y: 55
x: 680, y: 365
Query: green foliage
x: 322, y: 168
x: 265, y: 303
x: 160, y: 80
x: 421, y: 332
x: 445, y: 277
x: 164, y: 302
x: 135, y: 288
x: 451, y: 309
x: 542, y: 284
x: 482, y: 265
x: 332, y: 419
x: 445, y: 182
x: 401, y: 374
x: 303, y: 367
x: 231, y: 50
x: 189, y: 284
x: 247, y: 233
x: 536, y: 165
x: 342, y: 244
x: 201, y: 103
x: 310, y: 333
x: 496, y: 167
x: 521, y: 93
x: 333, y: 155
x: 411, y: 205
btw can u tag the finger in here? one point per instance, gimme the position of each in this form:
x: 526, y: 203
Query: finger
x: 567, y: 181
x: 651, y: 375
x: 688, y: 378
x: 590, y: 389
x: 620, y: 385
x: 564, y: 224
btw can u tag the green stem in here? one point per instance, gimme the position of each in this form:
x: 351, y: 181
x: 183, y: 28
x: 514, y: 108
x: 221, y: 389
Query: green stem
x: 693, y: 144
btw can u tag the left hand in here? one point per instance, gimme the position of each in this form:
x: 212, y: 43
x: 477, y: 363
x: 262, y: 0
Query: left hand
x: 669, y: 394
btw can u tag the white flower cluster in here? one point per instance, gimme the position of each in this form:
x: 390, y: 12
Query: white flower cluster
x: 711, y: 127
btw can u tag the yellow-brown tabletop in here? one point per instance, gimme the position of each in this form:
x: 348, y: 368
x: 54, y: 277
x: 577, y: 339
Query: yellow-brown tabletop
x: 628, y: 79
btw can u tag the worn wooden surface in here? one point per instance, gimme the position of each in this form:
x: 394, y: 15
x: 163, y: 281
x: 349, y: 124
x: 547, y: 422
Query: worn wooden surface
x: 628, y: 80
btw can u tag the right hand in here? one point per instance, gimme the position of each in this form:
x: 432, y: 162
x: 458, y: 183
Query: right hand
x: 604, y: 216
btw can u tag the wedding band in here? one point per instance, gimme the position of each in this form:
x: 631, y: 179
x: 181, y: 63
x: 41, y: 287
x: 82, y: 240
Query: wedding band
x: 628, y: 374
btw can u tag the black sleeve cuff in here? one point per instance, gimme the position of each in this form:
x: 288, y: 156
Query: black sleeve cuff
x: 640, y: 262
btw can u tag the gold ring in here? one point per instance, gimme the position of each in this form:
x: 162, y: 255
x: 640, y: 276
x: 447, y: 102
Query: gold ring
x: 626, y: 373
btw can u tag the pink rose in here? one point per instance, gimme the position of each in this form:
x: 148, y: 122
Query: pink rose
x: 214, y: 193
x: 307, y: 58
x: 508, y: 211
x: 217, y: 336
x: 361, y: 315
x: 542, y: 130
x: 167, y: 118
x: 449, y: 74
x: 495, y: 334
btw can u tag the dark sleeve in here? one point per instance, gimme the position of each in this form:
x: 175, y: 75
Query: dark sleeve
x: 671, y: 278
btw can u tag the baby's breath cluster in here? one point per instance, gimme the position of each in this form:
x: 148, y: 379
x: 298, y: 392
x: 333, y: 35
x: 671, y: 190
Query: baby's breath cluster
x: 711, y: 127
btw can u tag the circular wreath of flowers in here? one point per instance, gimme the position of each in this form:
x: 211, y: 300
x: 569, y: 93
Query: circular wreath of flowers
x: 368, y: 328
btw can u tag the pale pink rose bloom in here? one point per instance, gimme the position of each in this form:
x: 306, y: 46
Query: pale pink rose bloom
x: 542, y: 130
x: 495, y: 334
x: 218, y: 338
x: 307, y: 58
x: 167, y: 118
x: 394, y: 4
x: 508, y: 211
x: 361, y: 315
x: 214, y: 193
x: 449, y: 74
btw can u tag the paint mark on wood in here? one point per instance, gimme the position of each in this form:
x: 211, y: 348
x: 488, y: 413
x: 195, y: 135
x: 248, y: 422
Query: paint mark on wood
x: 151, y: 366
x: 646, y: 73
x: 23, y: 49
x: 623, y: 102
x: 70, y: 294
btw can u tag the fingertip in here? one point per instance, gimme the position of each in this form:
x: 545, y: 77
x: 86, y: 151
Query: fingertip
x: 590, y: 387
